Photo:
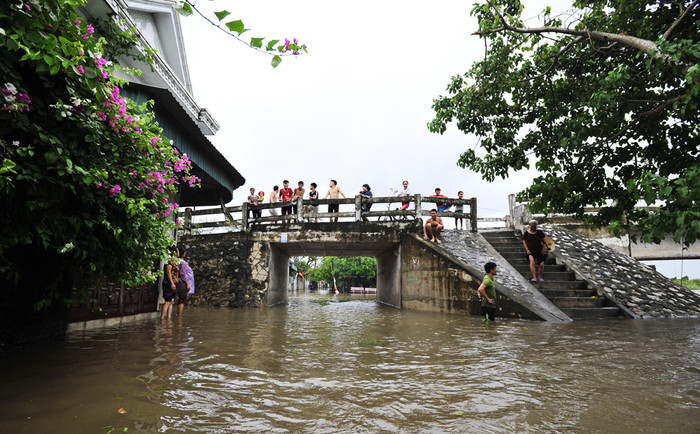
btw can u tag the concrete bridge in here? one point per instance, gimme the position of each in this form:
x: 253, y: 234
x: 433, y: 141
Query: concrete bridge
x: 250, y: 269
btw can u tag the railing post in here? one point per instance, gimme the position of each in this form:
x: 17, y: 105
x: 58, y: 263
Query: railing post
x: 419, y: 211
x: 187, y: 225
x: 244, y: 215
x: 300, y: 210
x: 358, y: 208
x: 472, y: 214
x: 510, y: 220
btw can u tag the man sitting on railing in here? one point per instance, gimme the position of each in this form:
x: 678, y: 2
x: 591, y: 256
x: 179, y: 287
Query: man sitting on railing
x: 433, y: 227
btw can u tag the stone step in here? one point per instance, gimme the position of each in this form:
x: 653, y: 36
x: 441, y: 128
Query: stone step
x: 560, y: 284
x: 578, y: 302
x: 548, y: 268
x: 580, y: 313
x: 560, y: 292
x: 554, y: 275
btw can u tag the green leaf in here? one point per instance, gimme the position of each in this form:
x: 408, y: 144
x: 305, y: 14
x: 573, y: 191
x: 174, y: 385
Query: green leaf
x: 222, y: 14
x: 256, y: 42
x: 271, y: 45
x: 236, y: 26
x: 276, y: 61
x: 183, y: 8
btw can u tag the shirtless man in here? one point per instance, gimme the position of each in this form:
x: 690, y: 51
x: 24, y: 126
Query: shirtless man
x: 433, y: 227
x: 298, y: 193
x: 274, y: 198
x: 333, y: 193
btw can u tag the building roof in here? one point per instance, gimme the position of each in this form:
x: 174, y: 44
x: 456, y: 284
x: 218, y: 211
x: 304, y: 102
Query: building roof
x: 167, y: 83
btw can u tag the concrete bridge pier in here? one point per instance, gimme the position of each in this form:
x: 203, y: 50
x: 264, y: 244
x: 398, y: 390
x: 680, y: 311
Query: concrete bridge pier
x: 389, y: 276
x: 279, y: 276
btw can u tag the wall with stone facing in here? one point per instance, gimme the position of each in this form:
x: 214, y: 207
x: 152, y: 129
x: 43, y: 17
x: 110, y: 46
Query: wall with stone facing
x: 230, y: 269
x: 635, y: 286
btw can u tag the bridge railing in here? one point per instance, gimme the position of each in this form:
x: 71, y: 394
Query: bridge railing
x: 305, y: 210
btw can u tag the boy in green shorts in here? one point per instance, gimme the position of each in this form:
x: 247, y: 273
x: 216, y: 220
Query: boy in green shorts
x: 487, y: 289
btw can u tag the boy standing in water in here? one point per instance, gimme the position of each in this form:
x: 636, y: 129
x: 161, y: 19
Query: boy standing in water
x: 487, y: 289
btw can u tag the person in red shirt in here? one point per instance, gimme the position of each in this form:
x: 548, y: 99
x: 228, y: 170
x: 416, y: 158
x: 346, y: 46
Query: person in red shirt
x: 440, y: 206
x: 286, y: 194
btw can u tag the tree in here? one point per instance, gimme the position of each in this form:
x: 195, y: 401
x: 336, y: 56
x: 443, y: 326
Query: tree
x: 86, y: 177
x: 343, y: 267
x: 605, y: 105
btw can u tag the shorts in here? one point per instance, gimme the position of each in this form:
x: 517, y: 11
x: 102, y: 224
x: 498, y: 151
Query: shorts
x: 405, y: 204
x: 442, y: 208
x: 168, y: 293
x: 539, y: 257
x: 273, y: 212
x: 490, y: 311
x: 333, y: 207
x: 182, y: 299
x: 310, y: 209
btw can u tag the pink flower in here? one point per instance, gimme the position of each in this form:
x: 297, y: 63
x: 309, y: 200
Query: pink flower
x: 81, y: 69
x: 91, y: 29
x: 115, y: 190
x: 286, y: 44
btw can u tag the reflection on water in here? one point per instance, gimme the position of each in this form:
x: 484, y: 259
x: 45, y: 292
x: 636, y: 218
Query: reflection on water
x: 353, y: 365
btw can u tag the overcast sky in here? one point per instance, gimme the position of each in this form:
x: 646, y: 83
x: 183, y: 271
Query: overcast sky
x: 354, y: 108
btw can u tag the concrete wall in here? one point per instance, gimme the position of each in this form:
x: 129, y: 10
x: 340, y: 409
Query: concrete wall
x: 431, y: 282
x: 389, y: 276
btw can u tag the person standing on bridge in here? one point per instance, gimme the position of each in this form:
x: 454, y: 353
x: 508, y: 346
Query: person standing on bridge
x: 433, y: 227
x: 333, y: 192
x: 487, y: 290
x: 298, y: 194
x: 459, y: 209
x: 366, y: 192
x: 311, y: 208
x: 253, y: 203
x: 536, y: 250
x: 404, y: 193
x: 440, y: 206
x: 274, y: 198
x: 285, y: 196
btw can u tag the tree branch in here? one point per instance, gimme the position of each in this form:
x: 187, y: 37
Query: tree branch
x: 669, y: 33
x: 627, y: 40
x: 556, y: 58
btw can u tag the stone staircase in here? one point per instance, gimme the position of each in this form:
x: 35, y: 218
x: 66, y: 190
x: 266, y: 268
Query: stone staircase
x: 572, y: 296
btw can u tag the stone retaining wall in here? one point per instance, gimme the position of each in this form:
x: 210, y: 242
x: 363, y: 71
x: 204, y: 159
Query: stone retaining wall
x: 229, y: 269
x: 633, y: 285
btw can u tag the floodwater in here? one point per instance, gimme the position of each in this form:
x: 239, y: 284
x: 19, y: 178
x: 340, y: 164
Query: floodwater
x: 331, y: 364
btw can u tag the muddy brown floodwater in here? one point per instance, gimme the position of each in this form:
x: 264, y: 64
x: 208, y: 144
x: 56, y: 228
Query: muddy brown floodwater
x: 327, y: 364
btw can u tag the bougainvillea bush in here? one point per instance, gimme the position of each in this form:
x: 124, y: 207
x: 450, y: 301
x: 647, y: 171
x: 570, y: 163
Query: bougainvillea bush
x: 87, y: 180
